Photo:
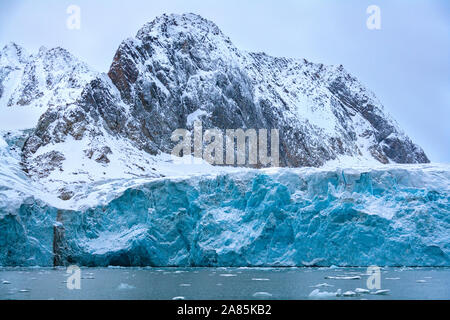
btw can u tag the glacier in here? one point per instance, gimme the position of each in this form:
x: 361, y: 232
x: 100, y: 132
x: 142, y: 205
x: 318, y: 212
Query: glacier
x: 391, y: 215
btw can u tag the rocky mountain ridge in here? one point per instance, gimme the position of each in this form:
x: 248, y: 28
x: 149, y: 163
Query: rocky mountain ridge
x: 176, y: 68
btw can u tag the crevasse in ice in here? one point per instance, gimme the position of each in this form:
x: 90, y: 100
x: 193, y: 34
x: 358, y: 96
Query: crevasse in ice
x: 391, y: 215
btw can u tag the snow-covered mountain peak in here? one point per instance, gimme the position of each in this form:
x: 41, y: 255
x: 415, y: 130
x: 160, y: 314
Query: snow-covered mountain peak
x: 13, y: 54
x: 174, y: 26
x: 30, y: 84
x: 181, y: 67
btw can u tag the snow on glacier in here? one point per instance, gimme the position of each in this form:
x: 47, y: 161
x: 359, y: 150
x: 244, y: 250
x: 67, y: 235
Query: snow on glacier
x: 386, y: 215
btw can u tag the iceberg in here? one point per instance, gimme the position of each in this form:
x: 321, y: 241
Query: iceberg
x: 392, y: 215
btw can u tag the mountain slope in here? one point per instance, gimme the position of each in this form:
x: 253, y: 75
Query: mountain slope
x: 178, y: 65
x: 31, y: 84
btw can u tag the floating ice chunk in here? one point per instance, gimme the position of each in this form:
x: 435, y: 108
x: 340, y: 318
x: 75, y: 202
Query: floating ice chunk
x: 6, y: 282
x: 343, y: 277
x: 24, y: 290
x: 262, y: 294
x: 349, y: 294
x: 396, y: 278
x: 361, y: 291
x: 260, y: 279
x: 317, y: 294
x: 421, y: 281
x: 185, y: 285
x: 227, y: 275
x: 320, y: 285
x: 125, y: 286
x: 178, y: 298
x: 381, y: 292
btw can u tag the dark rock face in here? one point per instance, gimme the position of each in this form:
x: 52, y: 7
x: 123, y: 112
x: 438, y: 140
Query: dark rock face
x: 181, y: 65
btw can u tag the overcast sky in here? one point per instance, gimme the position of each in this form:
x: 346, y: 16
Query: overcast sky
x: 406, y: 63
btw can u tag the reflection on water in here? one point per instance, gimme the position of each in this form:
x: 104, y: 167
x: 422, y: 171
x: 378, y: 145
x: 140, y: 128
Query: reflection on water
x: 225, y: 283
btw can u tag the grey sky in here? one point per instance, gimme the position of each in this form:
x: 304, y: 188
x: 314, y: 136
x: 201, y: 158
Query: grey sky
x: 406, y: 63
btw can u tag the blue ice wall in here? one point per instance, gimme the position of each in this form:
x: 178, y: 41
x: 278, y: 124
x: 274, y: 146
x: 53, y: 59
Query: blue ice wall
x: 398, y: 216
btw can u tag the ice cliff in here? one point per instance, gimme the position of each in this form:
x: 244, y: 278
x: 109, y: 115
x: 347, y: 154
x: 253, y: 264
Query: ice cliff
x: 394, y: 215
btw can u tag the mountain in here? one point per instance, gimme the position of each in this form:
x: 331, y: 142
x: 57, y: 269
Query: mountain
x: 32, y: 84
x: 183, y: 65
x: 179, y: 68
x: 91, y: 182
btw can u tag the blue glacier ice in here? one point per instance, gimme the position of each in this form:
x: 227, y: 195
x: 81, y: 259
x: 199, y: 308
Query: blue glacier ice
x: 395, y: 215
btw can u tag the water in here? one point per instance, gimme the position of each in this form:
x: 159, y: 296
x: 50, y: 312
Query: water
x: 219, y: 283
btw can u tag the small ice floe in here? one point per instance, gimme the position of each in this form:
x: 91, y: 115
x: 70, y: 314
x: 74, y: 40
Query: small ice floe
x: 317, y: 294
x: 362, y: 291
x: 343, y: 277
x: 260, y: 279
x: 6, y: 282
x: 24, y: 290
x: 227, y: 275
x: 262, y: 295
x: 185, y: 285
x: 395, y: 278
x: 178, y: 298
x: 428, y: 277
x: 349, y: 294
x: 125, y: 286
x: 88, y: 276
x: 381, y: 292
x: 219, y: 284
x: 321, y: 285
x: 421, y: 281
